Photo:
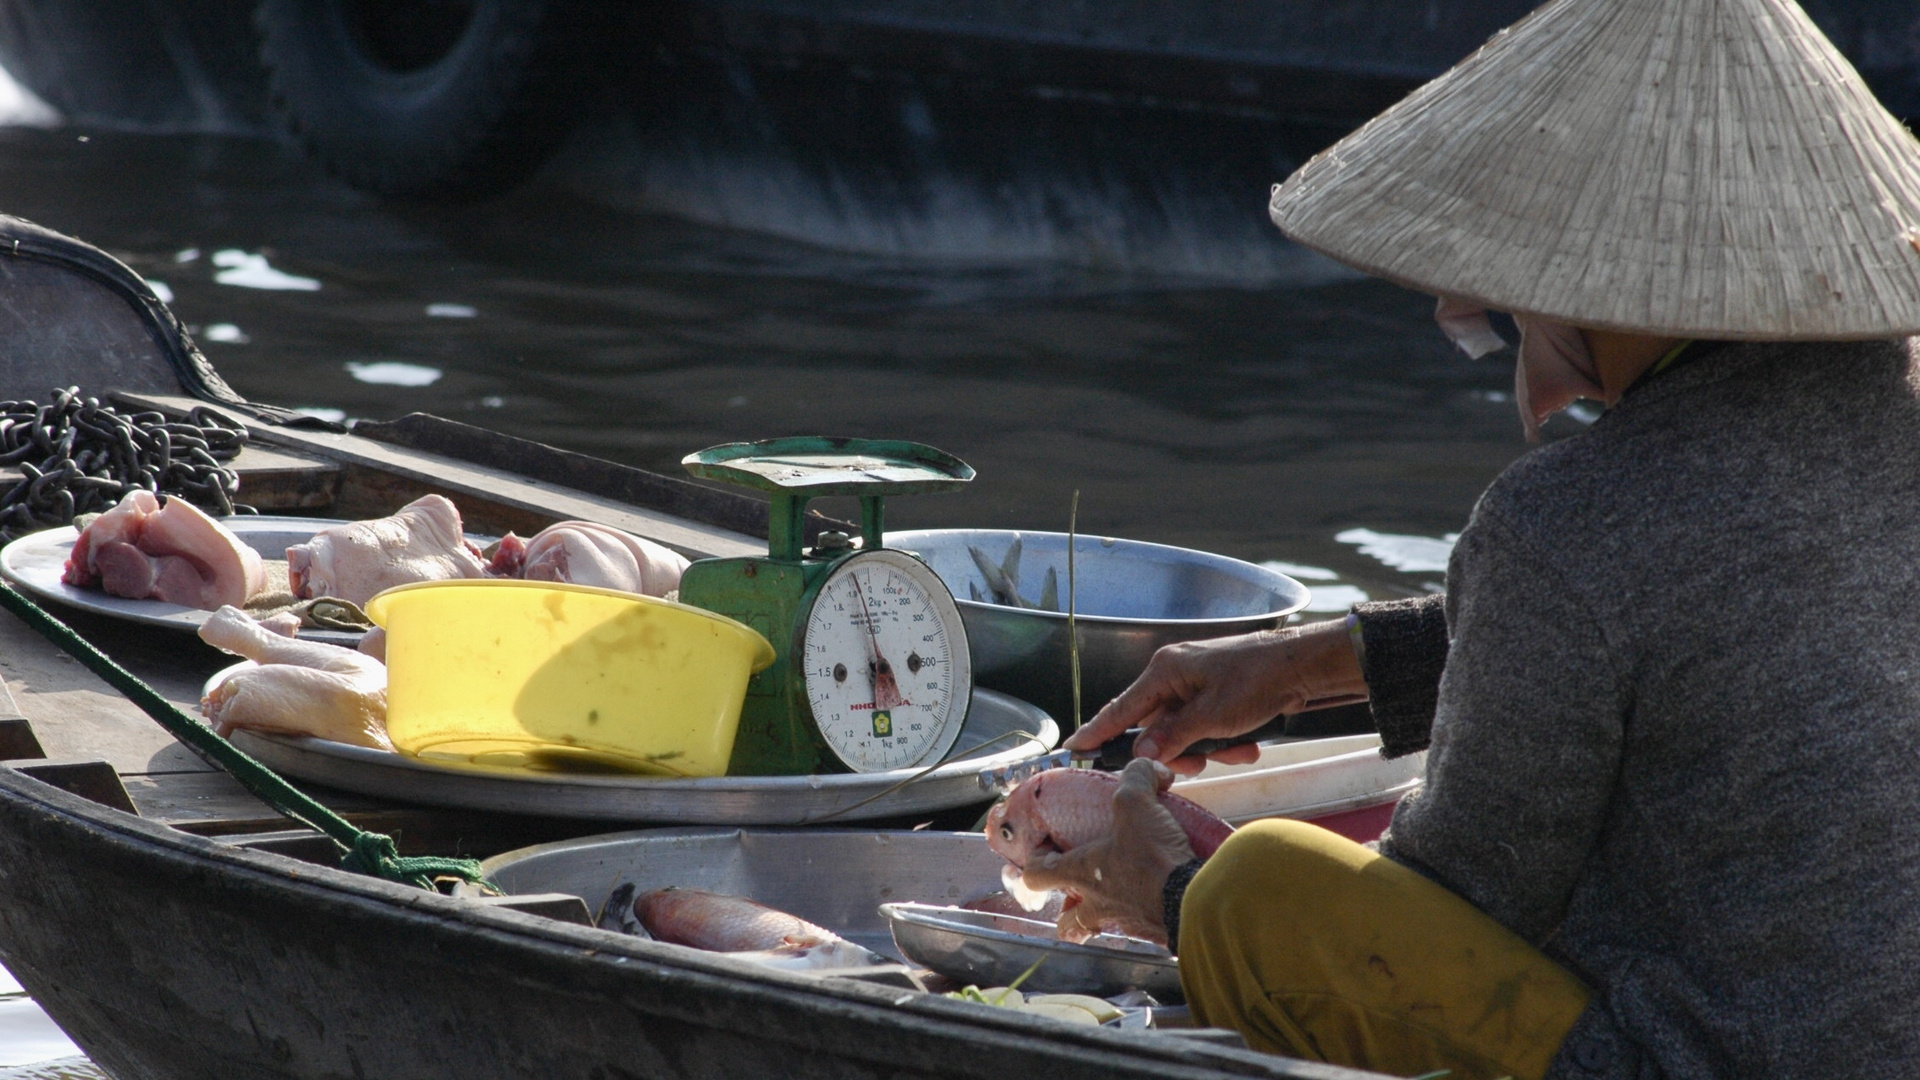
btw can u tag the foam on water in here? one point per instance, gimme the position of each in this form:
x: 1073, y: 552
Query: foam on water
x: 27, y: 1034
x: 393, y: 373
x: 1407, y: 554
x: 21, y: 107
x: 1302, y: 573
x: 251, y: 271
x: 1335, y: 598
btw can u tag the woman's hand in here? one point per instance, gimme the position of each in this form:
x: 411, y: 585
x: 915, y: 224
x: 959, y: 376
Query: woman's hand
x: 1120, y: 876
x: 1224, y: 687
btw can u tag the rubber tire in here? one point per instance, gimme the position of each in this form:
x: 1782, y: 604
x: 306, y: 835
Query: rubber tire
x: 475, y: 122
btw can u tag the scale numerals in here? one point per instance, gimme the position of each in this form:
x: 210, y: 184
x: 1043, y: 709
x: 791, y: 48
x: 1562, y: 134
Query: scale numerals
x: 880, y: 668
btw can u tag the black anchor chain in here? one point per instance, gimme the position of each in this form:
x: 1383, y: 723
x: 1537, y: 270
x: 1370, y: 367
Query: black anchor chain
x: 78, y: 456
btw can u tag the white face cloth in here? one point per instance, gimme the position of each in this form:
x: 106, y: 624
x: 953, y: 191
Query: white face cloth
x: 1553, y: 370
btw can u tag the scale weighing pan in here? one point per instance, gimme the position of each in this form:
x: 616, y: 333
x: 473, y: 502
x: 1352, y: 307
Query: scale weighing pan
x: 717, y: 800
x: 818, y: 466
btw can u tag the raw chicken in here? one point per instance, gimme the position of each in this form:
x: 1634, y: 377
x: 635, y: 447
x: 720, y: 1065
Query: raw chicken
x: 300, y: 687
x: 354, y: 561
x: 589, y: 553
x: 144, y: 549
x: 733, y: 924
x: 1060, y: 809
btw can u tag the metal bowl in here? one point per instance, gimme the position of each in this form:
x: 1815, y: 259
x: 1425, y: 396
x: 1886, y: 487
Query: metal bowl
x: 988, y: 949
x: 1131, y: 598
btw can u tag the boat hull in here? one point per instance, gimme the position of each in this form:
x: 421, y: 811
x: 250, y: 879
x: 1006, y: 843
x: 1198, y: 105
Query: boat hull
x: 170, y: 957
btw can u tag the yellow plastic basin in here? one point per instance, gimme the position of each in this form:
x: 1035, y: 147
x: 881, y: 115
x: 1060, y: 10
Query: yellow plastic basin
x: 535, y: 675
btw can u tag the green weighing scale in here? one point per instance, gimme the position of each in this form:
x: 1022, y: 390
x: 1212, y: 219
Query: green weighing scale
x: 871, y: 670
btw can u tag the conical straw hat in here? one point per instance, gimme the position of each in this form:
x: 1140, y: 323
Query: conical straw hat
x: 1692, y: 168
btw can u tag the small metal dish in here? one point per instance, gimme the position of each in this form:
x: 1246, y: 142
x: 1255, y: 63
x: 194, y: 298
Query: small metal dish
x: 987, y: 949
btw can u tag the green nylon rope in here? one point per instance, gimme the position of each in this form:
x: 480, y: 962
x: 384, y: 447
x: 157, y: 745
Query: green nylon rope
x: 365, y: 852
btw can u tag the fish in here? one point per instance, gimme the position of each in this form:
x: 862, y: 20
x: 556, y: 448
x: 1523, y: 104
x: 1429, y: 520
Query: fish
x: 1061, y: 809
x: 1003, y: 581
x: 745, y: 930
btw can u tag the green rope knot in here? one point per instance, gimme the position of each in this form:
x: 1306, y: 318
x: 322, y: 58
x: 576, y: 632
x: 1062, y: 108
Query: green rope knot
x: 375, y: 854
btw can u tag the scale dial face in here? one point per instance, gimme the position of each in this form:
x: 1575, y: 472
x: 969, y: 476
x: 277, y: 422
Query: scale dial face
x: 887, y: 669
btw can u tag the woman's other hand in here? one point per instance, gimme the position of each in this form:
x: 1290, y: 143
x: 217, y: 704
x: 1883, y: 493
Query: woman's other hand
x: 1119, y: 877
x: 1223, y: 687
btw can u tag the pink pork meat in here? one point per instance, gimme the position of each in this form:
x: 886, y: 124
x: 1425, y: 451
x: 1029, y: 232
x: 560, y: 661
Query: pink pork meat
x: 589, y: 553
x: 354, y: 561
x: 144, y: 549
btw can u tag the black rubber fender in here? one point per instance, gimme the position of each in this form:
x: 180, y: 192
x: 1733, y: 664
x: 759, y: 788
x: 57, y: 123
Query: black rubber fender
x: 430, y: 98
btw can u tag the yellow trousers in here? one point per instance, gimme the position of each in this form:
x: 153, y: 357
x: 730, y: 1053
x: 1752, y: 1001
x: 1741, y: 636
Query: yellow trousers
x: 1313, y: 946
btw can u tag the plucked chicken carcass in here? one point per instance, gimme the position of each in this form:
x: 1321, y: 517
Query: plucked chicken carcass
x: 300, y: 687
x: 144, y: 549
x: 354, y: 561
x: 589, y: 553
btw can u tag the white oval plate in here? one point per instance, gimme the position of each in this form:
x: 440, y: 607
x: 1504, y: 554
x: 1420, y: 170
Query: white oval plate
x: 35, y: 562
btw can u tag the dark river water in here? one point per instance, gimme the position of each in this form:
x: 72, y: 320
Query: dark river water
x: 1317, y: 420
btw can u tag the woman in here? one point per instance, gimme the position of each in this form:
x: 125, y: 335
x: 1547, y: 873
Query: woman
x: 1672, y: 804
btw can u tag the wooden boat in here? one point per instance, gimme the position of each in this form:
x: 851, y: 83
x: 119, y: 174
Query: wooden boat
x: 176, y: 927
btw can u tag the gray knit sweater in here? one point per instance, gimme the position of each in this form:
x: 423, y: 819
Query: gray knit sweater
x: 1678, y: 734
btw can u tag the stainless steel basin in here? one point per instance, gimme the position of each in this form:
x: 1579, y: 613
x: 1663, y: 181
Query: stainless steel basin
x: 1132, y: 598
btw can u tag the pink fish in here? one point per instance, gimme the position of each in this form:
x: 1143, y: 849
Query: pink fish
x: 733, y: 924
x: 1061, y: 809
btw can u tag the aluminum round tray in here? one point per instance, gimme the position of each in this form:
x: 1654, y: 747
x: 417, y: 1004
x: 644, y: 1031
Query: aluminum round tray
x: 864, y: 885
x: 720, y: 800
x: 988, y: 949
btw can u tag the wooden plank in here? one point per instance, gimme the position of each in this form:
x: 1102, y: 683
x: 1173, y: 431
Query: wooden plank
x: 17, y: 740
x: 274, y: 480
x: 75, y: 714
x: 206, y: 802
x: 214, y: 804
x: 93, y: 780
x: 725, y: 507
x: 479, y: 491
